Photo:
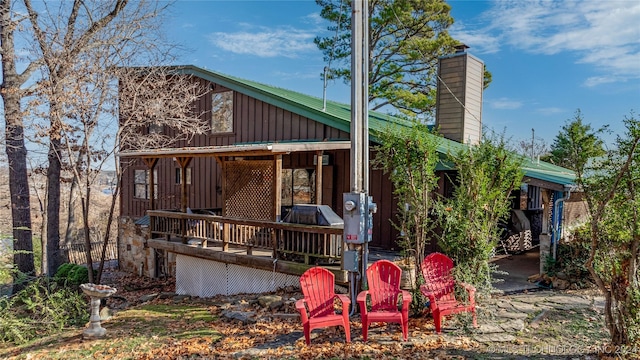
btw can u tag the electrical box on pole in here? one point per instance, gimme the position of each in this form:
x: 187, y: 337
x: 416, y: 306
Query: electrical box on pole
x: 358, y: 217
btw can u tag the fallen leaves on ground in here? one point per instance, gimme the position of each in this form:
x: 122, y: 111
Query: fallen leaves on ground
x: 165, y: 328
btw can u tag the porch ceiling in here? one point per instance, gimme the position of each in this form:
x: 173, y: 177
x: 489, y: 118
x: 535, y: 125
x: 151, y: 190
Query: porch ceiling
x: 258, y: 149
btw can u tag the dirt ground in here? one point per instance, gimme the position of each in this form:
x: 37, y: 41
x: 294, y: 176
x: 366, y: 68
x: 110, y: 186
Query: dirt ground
x: 148, y: 321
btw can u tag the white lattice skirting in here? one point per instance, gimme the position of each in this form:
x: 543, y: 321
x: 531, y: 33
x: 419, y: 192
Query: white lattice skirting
x: 206, y: 278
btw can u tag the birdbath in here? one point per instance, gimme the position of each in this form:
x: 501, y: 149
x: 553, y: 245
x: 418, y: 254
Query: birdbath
x: 96, y: 292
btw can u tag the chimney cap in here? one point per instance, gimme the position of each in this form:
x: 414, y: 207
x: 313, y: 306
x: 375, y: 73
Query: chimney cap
x: 460, y: 48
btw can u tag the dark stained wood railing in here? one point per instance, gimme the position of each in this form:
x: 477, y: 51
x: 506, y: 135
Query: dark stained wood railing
x: 76, y: 253
x: 307, y: 243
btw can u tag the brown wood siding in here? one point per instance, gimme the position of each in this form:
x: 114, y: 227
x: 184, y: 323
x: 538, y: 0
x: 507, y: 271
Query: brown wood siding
x: 254, y: 121
x: 257, y: 121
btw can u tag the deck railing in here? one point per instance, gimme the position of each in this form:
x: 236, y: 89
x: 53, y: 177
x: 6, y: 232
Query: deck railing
x: 307, y: 243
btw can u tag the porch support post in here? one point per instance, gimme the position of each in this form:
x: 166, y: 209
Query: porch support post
x: 319, y: 154
x: 277, y: 201
x: 546, y: 210
x: 277, y: 186
x: 151, y: 165
x: 183, y: 162
x: 184, y: 199
x: 545, y: 236
x: 223, y: 167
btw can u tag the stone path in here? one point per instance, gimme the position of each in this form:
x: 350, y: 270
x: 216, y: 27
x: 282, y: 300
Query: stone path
x: 513, y: 313
x: 501, y: 318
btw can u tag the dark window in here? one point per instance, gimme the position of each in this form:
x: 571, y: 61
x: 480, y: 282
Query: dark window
x: 141, y: 184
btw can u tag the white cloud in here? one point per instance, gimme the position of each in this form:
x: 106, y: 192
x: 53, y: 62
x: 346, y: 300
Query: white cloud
x: 286, y: 42
x: 314, y: 18
x: 482, y: 42
x: 551, y: 110
x: 603, y: 34
x: 297, y: 75
x: 504, y: 104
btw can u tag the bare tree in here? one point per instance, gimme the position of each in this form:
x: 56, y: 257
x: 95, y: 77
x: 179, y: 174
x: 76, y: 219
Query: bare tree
x: 158, y: 98
x: 533, y: 148
x: 86, y: 62
x: 12, y: 92
x: 62, y: 35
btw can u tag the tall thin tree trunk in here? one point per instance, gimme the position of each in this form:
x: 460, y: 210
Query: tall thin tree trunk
x: 71, y: 213
x: 87, y: 237
x: 15, y: 148
x: 107, y: 233
x: 53, y: 206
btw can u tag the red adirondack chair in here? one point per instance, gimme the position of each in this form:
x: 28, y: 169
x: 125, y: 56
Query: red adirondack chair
x: 317, y: 308
x: 439, y: 288
x: 384, y: 278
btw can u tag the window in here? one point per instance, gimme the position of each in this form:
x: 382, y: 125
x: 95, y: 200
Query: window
x: 156, y: 108
x: 179, y: 176
x: 141, y: 184
x: 222, y: 112
x: 298, y: 186
x: 156, y: 129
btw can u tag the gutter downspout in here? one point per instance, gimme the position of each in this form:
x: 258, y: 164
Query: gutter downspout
x: 558, y: 218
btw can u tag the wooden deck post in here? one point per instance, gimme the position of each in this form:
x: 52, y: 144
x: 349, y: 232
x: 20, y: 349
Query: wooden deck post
x: 225, y: 236
x: 274, y: 242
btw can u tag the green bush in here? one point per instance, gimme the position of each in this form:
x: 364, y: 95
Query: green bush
x: 72, y: 275
x: 571, y: 257
x: 42, y: 308
x: 486, y: 176
x: 63, y: 271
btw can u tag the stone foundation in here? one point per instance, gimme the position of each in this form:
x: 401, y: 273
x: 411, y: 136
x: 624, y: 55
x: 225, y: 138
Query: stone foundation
x: 136, y: 257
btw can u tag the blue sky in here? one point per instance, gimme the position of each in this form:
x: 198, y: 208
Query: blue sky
x: 548, y: 58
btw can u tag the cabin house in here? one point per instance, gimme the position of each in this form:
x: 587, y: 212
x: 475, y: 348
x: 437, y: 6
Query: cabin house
x: 210, y: 210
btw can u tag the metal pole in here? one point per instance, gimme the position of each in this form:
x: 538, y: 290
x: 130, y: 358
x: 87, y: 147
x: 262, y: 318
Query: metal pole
x: 360, y: 111
x: 533, y: 140
x: 359, y: 91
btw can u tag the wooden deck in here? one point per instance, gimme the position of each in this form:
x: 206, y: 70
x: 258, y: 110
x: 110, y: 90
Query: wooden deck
x: 272, y: 246
x: 259, y: 258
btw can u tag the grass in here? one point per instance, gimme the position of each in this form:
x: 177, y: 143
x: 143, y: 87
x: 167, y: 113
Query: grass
x: 130, y: 333
x: 191, y: 328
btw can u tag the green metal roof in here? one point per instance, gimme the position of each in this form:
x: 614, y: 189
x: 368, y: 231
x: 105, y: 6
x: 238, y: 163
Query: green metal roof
x: 548, y: 172
x: 338, y: 115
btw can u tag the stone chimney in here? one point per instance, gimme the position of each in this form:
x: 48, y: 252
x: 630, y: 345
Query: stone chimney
x: 459, y: 97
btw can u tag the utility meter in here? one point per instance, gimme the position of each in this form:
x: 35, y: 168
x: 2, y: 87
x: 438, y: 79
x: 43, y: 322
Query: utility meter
x: 358, y: 217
